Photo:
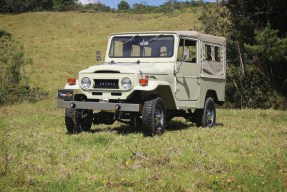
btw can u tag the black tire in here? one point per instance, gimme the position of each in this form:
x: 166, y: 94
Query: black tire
x: 78, y: 120
x: 206, y: 117
x: 153, y: 117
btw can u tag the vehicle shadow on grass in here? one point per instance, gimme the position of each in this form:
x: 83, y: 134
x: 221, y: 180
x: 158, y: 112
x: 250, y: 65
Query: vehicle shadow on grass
x: 173, y: 125
x: 123, y: 129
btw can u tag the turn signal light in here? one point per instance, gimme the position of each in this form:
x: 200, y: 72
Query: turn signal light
x: 72, y: 81
x: 143, y: 82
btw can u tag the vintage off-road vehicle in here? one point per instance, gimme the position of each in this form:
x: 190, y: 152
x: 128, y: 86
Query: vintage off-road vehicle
x: 147, y: 79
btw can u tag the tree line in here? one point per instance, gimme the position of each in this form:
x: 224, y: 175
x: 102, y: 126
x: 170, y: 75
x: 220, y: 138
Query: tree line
x: 21, y: 6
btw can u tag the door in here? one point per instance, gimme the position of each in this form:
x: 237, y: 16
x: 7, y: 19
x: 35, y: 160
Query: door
x: 187, y: 70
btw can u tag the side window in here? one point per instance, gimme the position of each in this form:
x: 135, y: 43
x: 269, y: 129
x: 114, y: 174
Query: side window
x: 190, y: 51
x: 217, y: 53
x: 180, y: 50
x: 208, y: 53
x: 187, y: 51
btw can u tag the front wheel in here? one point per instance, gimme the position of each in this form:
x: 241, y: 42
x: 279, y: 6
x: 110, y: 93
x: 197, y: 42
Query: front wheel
x: 153, y: 117
x: 78, y: 120
x: 206, y: 117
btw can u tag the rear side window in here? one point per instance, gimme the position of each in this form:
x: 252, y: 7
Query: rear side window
x: 217, y: 54
x: 208, y: 53
x: 212, y: 53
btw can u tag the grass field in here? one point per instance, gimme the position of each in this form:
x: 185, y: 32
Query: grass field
x: 248, y: 152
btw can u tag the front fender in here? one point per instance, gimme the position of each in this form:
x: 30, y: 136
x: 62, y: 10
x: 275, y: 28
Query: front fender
x: 160, y: 88
x: 74, y: 87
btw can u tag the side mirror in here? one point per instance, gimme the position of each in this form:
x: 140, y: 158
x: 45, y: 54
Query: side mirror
x: 98, y: 55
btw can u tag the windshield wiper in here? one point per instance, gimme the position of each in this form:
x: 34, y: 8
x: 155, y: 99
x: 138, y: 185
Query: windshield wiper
x: 130, y: 39
x: 155, y: 37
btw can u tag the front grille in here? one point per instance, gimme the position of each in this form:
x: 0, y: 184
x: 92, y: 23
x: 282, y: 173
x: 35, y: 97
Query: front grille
x: 106, y: 83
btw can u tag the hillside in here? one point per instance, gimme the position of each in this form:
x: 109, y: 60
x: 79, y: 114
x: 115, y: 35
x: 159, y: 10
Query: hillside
x: 247, y: 152
x: 61, y: 44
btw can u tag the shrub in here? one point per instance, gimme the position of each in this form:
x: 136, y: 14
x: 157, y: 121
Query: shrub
x: 13, y: 84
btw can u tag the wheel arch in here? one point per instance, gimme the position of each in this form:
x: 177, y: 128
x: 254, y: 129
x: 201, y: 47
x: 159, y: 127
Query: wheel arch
x: 162, y: 91
x: 166, y: 94
x: 213, y: 94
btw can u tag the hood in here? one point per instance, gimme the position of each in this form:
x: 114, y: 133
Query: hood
x: 132, y: 68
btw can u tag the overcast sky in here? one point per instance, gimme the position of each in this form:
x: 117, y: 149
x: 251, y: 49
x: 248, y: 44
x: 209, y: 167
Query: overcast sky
x: 114, y: 3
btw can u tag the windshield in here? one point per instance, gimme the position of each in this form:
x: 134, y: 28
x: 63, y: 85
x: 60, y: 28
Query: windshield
x: 142, y: 46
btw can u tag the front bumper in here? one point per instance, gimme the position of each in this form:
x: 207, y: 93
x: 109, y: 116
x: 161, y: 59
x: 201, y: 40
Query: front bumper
x: 66, y: 99
x: 99, y: 106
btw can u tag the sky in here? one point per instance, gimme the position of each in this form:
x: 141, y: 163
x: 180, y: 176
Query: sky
x: 114, y: 3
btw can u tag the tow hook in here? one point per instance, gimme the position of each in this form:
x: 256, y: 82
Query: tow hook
x: 118, y: 107
x: 72, y: 105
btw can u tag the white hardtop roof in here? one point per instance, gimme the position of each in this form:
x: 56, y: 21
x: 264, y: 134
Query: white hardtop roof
x: 194, y: 34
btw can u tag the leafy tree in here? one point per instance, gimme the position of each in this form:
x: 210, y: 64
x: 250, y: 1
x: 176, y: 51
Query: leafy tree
x: 256, y: 54
x: 98, y: 7
x: 259, y: 13
x: 268, y: 53
x: 171, y: 2
x: 138, y: 6
x: 197, y: 2
x: 144, y: 8
x: 255, y: 29
x: 123, y: 5
x: 62, y: 5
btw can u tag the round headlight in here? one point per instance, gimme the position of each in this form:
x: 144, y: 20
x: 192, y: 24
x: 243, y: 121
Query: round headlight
x: 85, y: 83
x: 126, y: 83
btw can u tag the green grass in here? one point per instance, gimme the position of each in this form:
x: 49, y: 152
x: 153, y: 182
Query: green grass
x: 247, y: 153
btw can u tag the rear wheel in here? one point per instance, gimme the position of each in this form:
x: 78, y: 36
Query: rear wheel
x: 153, y: 117
x: 78, y: 120
x: 206, y: 117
